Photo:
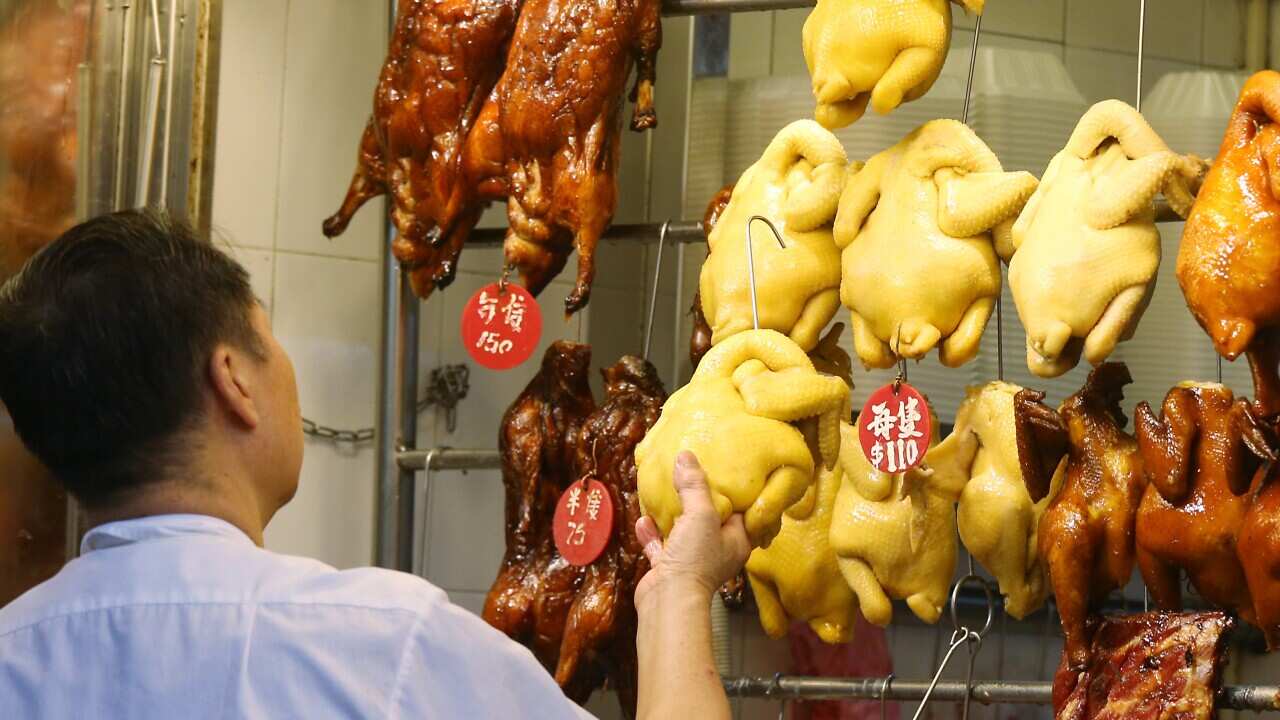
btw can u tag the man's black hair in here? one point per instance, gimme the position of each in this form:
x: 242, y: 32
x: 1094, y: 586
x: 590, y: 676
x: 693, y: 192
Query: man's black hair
x: 105, y: 340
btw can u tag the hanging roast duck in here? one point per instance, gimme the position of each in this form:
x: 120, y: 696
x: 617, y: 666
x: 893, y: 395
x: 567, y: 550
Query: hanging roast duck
x: 1086, y: 245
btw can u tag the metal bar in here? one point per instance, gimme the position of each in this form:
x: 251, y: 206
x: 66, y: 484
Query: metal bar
x: 678, y: 232
x: 449, y: 459
x: 407, y: 391
x: 1257, y: 698
x: 709, y: 7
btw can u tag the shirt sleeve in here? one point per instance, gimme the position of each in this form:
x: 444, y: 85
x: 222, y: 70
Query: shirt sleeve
x: 456, y: 665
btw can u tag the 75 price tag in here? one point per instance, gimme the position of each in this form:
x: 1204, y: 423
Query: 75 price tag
x: 583, y: 522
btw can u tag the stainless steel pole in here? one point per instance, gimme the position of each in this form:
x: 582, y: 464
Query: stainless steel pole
x: 403, y: 501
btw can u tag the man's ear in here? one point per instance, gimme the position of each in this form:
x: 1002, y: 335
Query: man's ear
x: 231, y: 386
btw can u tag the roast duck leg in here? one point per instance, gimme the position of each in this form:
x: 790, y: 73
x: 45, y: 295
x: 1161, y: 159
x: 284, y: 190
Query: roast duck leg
x: 444, y: 60
x: 549, y: 135
x: 1204, y: 460
x: 538, y: 442
x: 601, y: 627
x: 1229, y: 260
x: 1087, y: 533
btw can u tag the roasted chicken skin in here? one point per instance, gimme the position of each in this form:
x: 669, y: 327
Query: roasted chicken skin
x: 601, y: 627
x: 538, y: 442
x: 549, y: 135
x: 1259, y: 551
x: 1201, y: 460
x: 1229, y: 260
x: 1087, y: 532
x: 444, y: 59
x: 700, y: 337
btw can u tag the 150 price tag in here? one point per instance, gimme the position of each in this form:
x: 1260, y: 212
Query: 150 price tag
x: 501, y: 326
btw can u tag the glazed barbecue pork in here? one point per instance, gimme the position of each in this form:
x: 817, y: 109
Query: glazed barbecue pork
x: 1229, y: 260
x: 549, y: 135
x: 444, y: 60
x: 1201, y: 461
x: 538, y: 441
x: 600, y: 632
x: 1150, y: 666
x: 1087, y: 533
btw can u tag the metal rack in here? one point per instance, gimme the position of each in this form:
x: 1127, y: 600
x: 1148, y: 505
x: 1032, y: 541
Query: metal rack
x: 399, y: 460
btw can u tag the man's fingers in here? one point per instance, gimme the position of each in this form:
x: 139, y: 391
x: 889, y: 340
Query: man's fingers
x: 691, y: 484
x: 734, y: 540
x: 650, y: 539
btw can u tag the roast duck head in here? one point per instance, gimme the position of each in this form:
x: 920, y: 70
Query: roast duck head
x: 1086, y: 248
x: 1229, y: 260
x: 875, y: 52
x: 796, y: 185
x: 740, y: 415
x: 919, y: 227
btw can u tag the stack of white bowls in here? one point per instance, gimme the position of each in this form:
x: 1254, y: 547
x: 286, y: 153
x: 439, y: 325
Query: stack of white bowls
x: 1190, y: 111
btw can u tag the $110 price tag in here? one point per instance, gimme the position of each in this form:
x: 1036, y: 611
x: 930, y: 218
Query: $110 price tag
x: 894, y: 428
x: 583, y: 522
x: 501, y: 326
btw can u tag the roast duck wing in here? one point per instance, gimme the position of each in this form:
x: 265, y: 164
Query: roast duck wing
x: 538, y: 442
x: 1086, y: 536
x: 739, y: 415
x: 700, y: 336
x: 1149, y: 666
x: 920, y: 226
x: 444, y: 59
x: 1229, y: 260
x: 796, y: 186
x: 1204, y: 461
x: 41, y: 45
x: 997, y: 519
x: 894, y: 535
x: 601, y: 626
x: 549, y: 135
x: 1086, y: 244
x: 1259, y: 553
x: 875, y: 52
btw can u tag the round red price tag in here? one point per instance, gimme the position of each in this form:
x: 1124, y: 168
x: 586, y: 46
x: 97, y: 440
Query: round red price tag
x: 894, y: 428
x: 583, y: 522
x: 501, y: 327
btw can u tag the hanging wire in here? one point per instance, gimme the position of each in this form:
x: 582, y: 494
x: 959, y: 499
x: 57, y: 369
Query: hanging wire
x: 653, y: 295
x: 751, y: 264
x: 1142, y: 22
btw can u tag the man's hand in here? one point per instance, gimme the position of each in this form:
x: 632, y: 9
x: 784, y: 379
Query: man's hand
x: 700, y: 554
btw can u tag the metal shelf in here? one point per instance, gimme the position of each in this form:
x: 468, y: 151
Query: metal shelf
x: 1257, y: 698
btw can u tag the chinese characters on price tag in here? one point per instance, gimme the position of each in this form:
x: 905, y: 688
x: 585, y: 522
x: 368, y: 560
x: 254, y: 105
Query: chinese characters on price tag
x: 501, y: 327
x: 894, y: 428
x: 583, y: 522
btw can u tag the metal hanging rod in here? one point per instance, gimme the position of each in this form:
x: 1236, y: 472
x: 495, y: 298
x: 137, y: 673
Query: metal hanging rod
x: 449, y: 459
x: 1257, y: 698
x: 691, y: 232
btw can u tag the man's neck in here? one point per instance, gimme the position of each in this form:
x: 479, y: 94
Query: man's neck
x: 235, y: 506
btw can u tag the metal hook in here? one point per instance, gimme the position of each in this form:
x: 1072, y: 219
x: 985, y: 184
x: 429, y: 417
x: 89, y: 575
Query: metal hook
x: 958, y: 638
x: 653, y: 296
x: 751, y: 264
x: 774, y: 689
x: 974, y: 639
x: 1142, y: 23
x: 884, y: 692
x: 504, y: 278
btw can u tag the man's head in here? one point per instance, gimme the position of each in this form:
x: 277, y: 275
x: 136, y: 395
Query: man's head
x: 134, y: 357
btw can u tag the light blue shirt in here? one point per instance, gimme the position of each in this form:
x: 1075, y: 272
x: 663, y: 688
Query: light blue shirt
x: 182, y: 617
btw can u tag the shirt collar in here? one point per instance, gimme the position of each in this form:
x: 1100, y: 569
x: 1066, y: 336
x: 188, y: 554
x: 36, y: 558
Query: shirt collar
x: 158, y: 527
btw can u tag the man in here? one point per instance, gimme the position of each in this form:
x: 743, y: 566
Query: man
x: 138, y: 367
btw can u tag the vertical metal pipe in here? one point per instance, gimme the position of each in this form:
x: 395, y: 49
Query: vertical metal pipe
x: 1257, y: 27
x: 410, y: 310
x: 166, y: 158
x: 122, y: 117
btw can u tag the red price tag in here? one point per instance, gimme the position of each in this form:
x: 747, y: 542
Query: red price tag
x: 894, y: 428
x: 501, y: 328
x: 583, y: 522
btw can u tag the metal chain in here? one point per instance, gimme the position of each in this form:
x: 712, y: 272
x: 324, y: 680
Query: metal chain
x: 446, y: 386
